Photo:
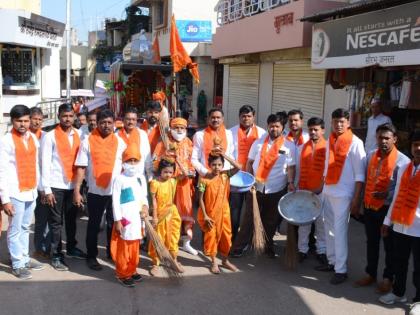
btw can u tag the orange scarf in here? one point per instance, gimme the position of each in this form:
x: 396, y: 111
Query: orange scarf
x: 379, y: 175
x: 25, y: 161
x: 312, y: 164
x: 268, y: 159
x: 291, y: 138
x: 339, y: 147
x: 153, y: 135
x: 244, y: 144
x: 208, y: 140
x: 67, y: 152
x: 103, y: 154
x: 404, y: 210
x: 38, y: 134
x: 134, y: 136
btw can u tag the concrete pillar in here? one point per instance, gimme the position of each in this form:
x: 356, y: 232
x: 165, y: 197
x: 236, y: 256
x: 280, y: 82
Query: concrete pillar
x: 265, y: 93
x: 226, y: 70
x: 206, y: 69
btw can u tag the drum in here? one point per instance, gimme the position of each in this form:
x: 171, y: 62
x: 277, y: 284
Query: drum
x: 300, y: 207
x: 241, y: 182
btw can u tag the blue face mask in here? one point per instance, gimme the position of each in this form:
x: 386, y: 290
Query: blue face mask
x: 130, y: 169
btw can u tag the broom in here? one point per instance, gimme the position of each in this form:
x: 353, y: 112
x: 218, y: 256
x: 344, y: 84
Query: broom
x: 259, y: 236
x: 169, y: 264
x: 291, y: 247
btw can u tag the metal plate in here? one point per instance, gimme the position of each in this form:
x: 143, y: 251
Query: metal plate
x: 300, y: 207
x: 241, y: 182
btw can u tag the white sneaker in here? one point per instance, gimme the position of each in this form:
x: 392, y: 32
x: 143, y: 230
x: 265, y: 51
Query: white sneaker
x: 391, y: 298
x: 189, y: 249
x: 415, y: 309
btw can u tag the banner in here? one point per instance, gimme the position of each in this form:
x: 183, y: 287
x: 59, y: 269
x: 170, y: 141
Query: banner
x: 194, y: 31
x: 389, y: 37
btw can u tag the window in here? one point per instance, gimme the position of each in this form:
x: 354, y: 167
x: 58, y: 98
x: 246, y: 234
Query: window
x: 161, y: 14
x: 19, y: 67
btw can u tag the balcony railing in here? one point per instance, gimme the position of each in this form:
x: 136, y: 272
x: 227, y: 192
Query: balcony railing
x: 229, y: 11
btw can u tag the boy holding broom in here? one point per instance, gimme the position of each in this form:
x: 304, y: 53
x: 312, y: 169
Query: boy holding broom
x: 214, y: 212
x: 128, y: 198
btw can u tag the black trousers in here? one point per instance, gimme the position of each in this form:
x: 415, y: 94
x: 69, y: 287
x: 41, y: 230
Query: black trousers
x: 404, y: 246
x: 270, y: 216
x: 63, y: 209
x: 236, y: 201
x: 96, y: 206
x: 373, y: 222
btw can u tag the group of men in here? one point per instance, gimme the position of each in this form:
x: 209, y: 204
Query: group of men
x: 54, y: 165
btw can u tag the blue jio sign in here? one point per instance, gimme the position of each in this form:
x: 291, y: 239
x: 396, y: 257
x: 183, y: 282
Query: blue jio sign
x: 194, y: 31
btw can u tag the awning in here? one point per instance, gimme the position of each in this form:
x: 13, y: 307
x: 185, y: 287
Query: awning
x: 29, y: 29
x: 79, y: 92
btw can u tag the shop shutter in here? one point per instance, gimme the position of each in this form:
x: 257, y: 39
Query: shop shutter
x: 243, y: 90
x: 297, y: 86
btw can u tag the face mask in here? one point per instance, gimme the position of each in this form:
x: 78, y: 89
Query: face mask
x: 130, y: 169
x: 178, y: 136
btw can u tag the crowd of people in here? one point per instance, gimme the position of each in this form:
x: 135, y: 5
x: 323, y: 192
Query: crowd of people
x: 133, y: 174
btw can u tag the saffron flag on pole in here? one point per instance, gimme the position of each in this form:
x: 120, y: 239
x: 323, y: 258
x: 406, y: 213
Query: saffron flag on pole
x: 179, y: 56
x: 156, y: 50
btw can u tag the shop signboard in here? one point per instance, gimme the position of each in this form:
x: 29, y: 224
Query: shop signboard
x: 389, y: 37
x: 194, y: 31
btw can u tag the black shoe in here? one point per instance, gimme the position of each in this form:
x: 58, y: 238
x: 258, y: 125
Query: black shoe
x: 269, y: 251
x: 322, y: 258
x: 236, y: 253
x: 326, y: 268
x: 59, y: 264
x: 338, y: 278
x: 93, y: 264
x: 22, y: 273
x: 76, y: 253
x: 137, y: 277
x: 128, y: 282
x: 302, y: 256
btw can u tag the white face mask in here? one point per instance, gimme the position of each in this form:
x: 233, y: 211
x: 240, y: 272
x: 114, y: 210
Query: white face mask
x: 178, y: 136
x: 130, y: 169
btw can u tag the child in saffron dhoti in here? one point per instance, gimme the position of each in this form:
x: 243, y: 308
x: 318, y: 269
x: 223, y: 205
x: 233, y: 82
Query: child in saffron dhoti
x: 129, y: 205
x: 214, y: 212
x: 166, y: 219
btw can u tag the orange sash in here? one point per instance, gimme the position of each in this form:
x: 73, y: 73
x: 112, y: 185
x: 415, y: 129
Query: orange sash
x: 134, y: 136
x: 103, y: 154
x: 153, y: 135
x: 291, y: 138
x: 25, y: 161
x: 208, y: 143
x: 404, y: 210
x: 312, y: 164
x: 66, y: 152
x: 339, y: 147
x: 38, y: 134
x: 268, y: 159
x: 379, y: 173
x: 244, y: 144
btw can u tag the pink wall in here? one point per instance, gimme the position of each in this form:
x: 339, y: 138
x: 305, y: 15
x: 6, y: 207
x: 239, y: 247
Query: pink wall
x: 258, y: 34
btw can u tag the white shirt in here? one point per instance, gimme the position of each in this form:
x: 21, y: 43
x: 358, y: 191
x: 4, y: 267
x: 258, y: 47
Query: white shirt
x: 128, y: 198
x: 373, y: 123
x: 9, y: 182
x: 83, y: 132
x: 198, y: 158
x: 84, y: 159
x: 52, y: 172
x: 413, y: 229
x: 353, y: 170
x: 260, y: 131
x: 277, y: 179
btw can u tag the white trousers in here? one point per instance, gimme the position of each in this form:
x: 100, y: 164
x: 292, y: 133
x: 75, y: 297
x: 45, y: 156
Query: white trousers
x: 336, y: 223
x: 303, y: 236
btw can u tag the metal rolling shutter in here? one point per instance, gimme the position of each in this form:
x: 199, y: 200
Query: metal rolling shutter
x: 243, y: 90
x: 297, y: 86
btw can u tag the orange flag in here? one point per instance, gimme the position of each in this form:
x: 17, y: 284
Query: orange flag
x: 156, y: 50
x: 179, y: 56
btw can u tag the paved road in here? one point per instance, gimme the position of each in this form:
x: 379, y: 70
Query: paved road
x: 263, y: 286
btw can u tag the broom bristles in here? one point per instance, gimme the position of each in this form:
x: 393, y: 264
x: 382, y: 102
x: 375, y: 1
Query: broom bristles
x: 169, y: 264
x: 291, y: 247
x: 259, y: 237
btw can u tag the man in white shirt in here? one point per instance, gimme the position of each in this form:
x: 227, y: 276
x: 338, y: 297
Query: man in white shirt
x: 215, y: 135
x: 85, y: 130
x: 19, y: 179
x: 404, y: 217
x: 100, y: 159
x: 244, y: 135
x: 59, y: 150
x: 296, y: 134
x: 344, y: 178
x: 272, y: 161
x: 374, y: 121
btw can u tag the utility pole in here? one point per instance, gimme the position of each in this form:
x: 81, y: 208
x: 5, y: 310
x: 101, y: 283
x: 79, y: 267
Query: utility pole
x: 68, y: 50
